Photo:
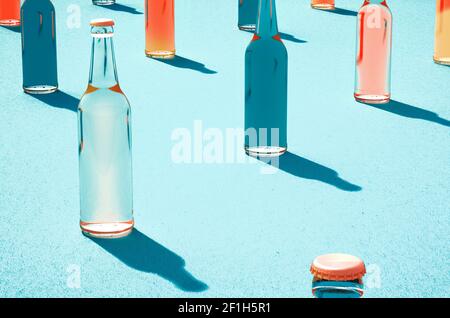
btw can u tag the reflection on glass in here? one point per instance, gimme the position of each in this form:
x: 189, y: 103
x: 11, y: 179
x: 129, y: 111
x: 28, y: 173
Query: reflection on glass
x: 104, y: 118
x: 39, y: 62
x: 442, y: 34
x: 322, y: 4
x: 103, y: 2
x: 373, y: 56
x: 247, y: 14
x: 160, y: 29
x: 266, y: 72
x: 10, y: 12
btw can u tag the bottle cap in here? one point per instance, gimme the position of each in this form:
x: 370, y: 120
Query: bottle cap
x: 339, y: 267
x: 102, y: 23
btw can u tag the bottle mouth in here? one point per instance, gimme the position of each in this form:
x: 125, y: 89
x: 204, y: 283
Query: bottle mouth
x: 102, y: 28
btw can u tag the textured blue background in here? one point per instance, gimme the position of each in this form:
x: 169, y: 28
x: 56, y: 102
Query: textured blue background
x: 228, y: 230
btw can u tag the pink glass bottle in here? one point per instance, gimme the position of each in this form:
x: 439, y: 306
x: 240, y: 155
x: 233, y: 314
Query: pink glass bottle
x: 322, y: 4
x: 373, y: 53
x: 442, y: 33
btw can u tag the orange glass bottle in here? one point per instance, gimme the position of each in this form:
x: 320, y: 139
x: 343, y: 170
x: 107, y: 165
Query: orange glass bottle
x: 442, y: 35
x: 322, y: 4
x: 160, y: 29
x: 10, y: 12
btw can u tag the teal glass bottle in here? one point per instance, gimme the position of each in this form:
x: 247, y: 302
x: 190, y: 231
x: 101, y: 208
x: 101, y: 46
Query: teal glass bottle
x: 104, y: 122
x: 266, y: 73
x: 39, y: 63
x: 103, y: 2
x: 247, y: 14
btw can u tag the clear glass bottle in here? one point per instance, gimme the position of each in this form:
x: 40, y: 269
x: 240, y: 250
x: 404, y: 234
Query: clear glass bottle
x: 337, y: 276
x: 104, y: 117
x: 39, y: 62
x: 266, y: 73
x: 247, y: 14
x: 322, y: 4
x: 10, y: 12
x: 103, y: 2
x: 373, y: 56
x: 442, y: 34
x: 160, y: 29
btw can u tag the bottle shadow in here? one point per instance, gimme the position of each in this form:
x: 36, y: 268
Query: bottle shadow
x: 290, y: 37
x: 140, y: 252
x: 341, y: 11
x: 121, y: 8
x: 410, y: 111
x: 58, y: 99
x: 307, y: 169
x: 285, y: 36
x: 182, y: 62
x: 15, y: 29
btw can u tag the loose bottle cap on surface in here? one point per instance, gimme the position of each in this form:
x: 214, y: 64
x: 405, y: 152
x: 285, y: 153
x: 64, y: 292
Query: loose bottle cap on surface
x: 102, y: 22
x: 339, y: 267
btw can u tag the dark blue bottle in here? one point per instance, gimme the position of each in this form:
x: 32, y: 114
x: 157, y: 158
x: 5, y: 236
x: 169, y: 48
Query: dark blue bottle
x: 39, y: 47
x: 266, y: 75
x: 248, y: 14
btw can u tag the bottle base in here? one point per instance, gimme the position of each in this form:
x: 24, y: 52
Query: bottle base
x: 160, y: 54
x: 10, y: 22
x: 40, y: 89
x: 265, y: 151
x: 442, y: 60
x: 104, y: 2
x: 107, y: 230
x: 372, y: 99
x: 247, y: 27
x: 323, y: 6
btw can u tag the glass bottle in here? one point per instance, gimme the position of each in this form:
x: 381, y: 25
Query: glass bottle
x: 103, y: 2
x: 10, y: 12
x: 39, y: 63
x: 160, y: 29
x: 442, y: 34
x: 337, y: 276
x: 373, y: 56
x: 266, y: 72
x: 322, y: 4
x: 106, y: 201
x: 247, y: 14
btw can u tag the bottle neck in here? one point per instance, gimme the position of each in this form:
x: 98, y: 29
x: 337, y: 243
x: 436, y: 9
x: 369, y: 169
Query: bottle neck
x: 103, y: 72
x: 267, y: 19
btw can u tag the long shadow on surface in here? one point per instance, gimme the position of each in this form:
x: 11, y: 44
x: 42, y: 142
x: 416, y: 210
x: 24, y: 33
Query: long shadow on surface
x: 410, y: 111
x: 341, y: 11
x: 307, y: 169
x: 182, y: 62
x: 290, y: 37
x: 121, y: 8
x: 15, y: 29
x: 58, y: 99
x: 140, y: 252
x: 285, y: 36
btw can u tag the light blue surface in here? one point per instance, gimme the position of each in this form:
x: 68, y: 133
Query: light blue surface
x: 235, y: 230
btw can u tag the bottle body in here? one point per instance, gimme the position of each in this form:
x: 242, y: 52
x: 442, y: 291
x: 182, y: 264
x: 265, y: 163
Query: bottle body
x: 266, y: 73
x: 247, y: 14
x: 323, y: 4
x: 373, y: 56
x: 103, y: 2
x: 337, y: 289
x: 39, y: 61
x: 160, y: 28
x: 105, y: 162
x: 10, y: 12
x: 442, y: 33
